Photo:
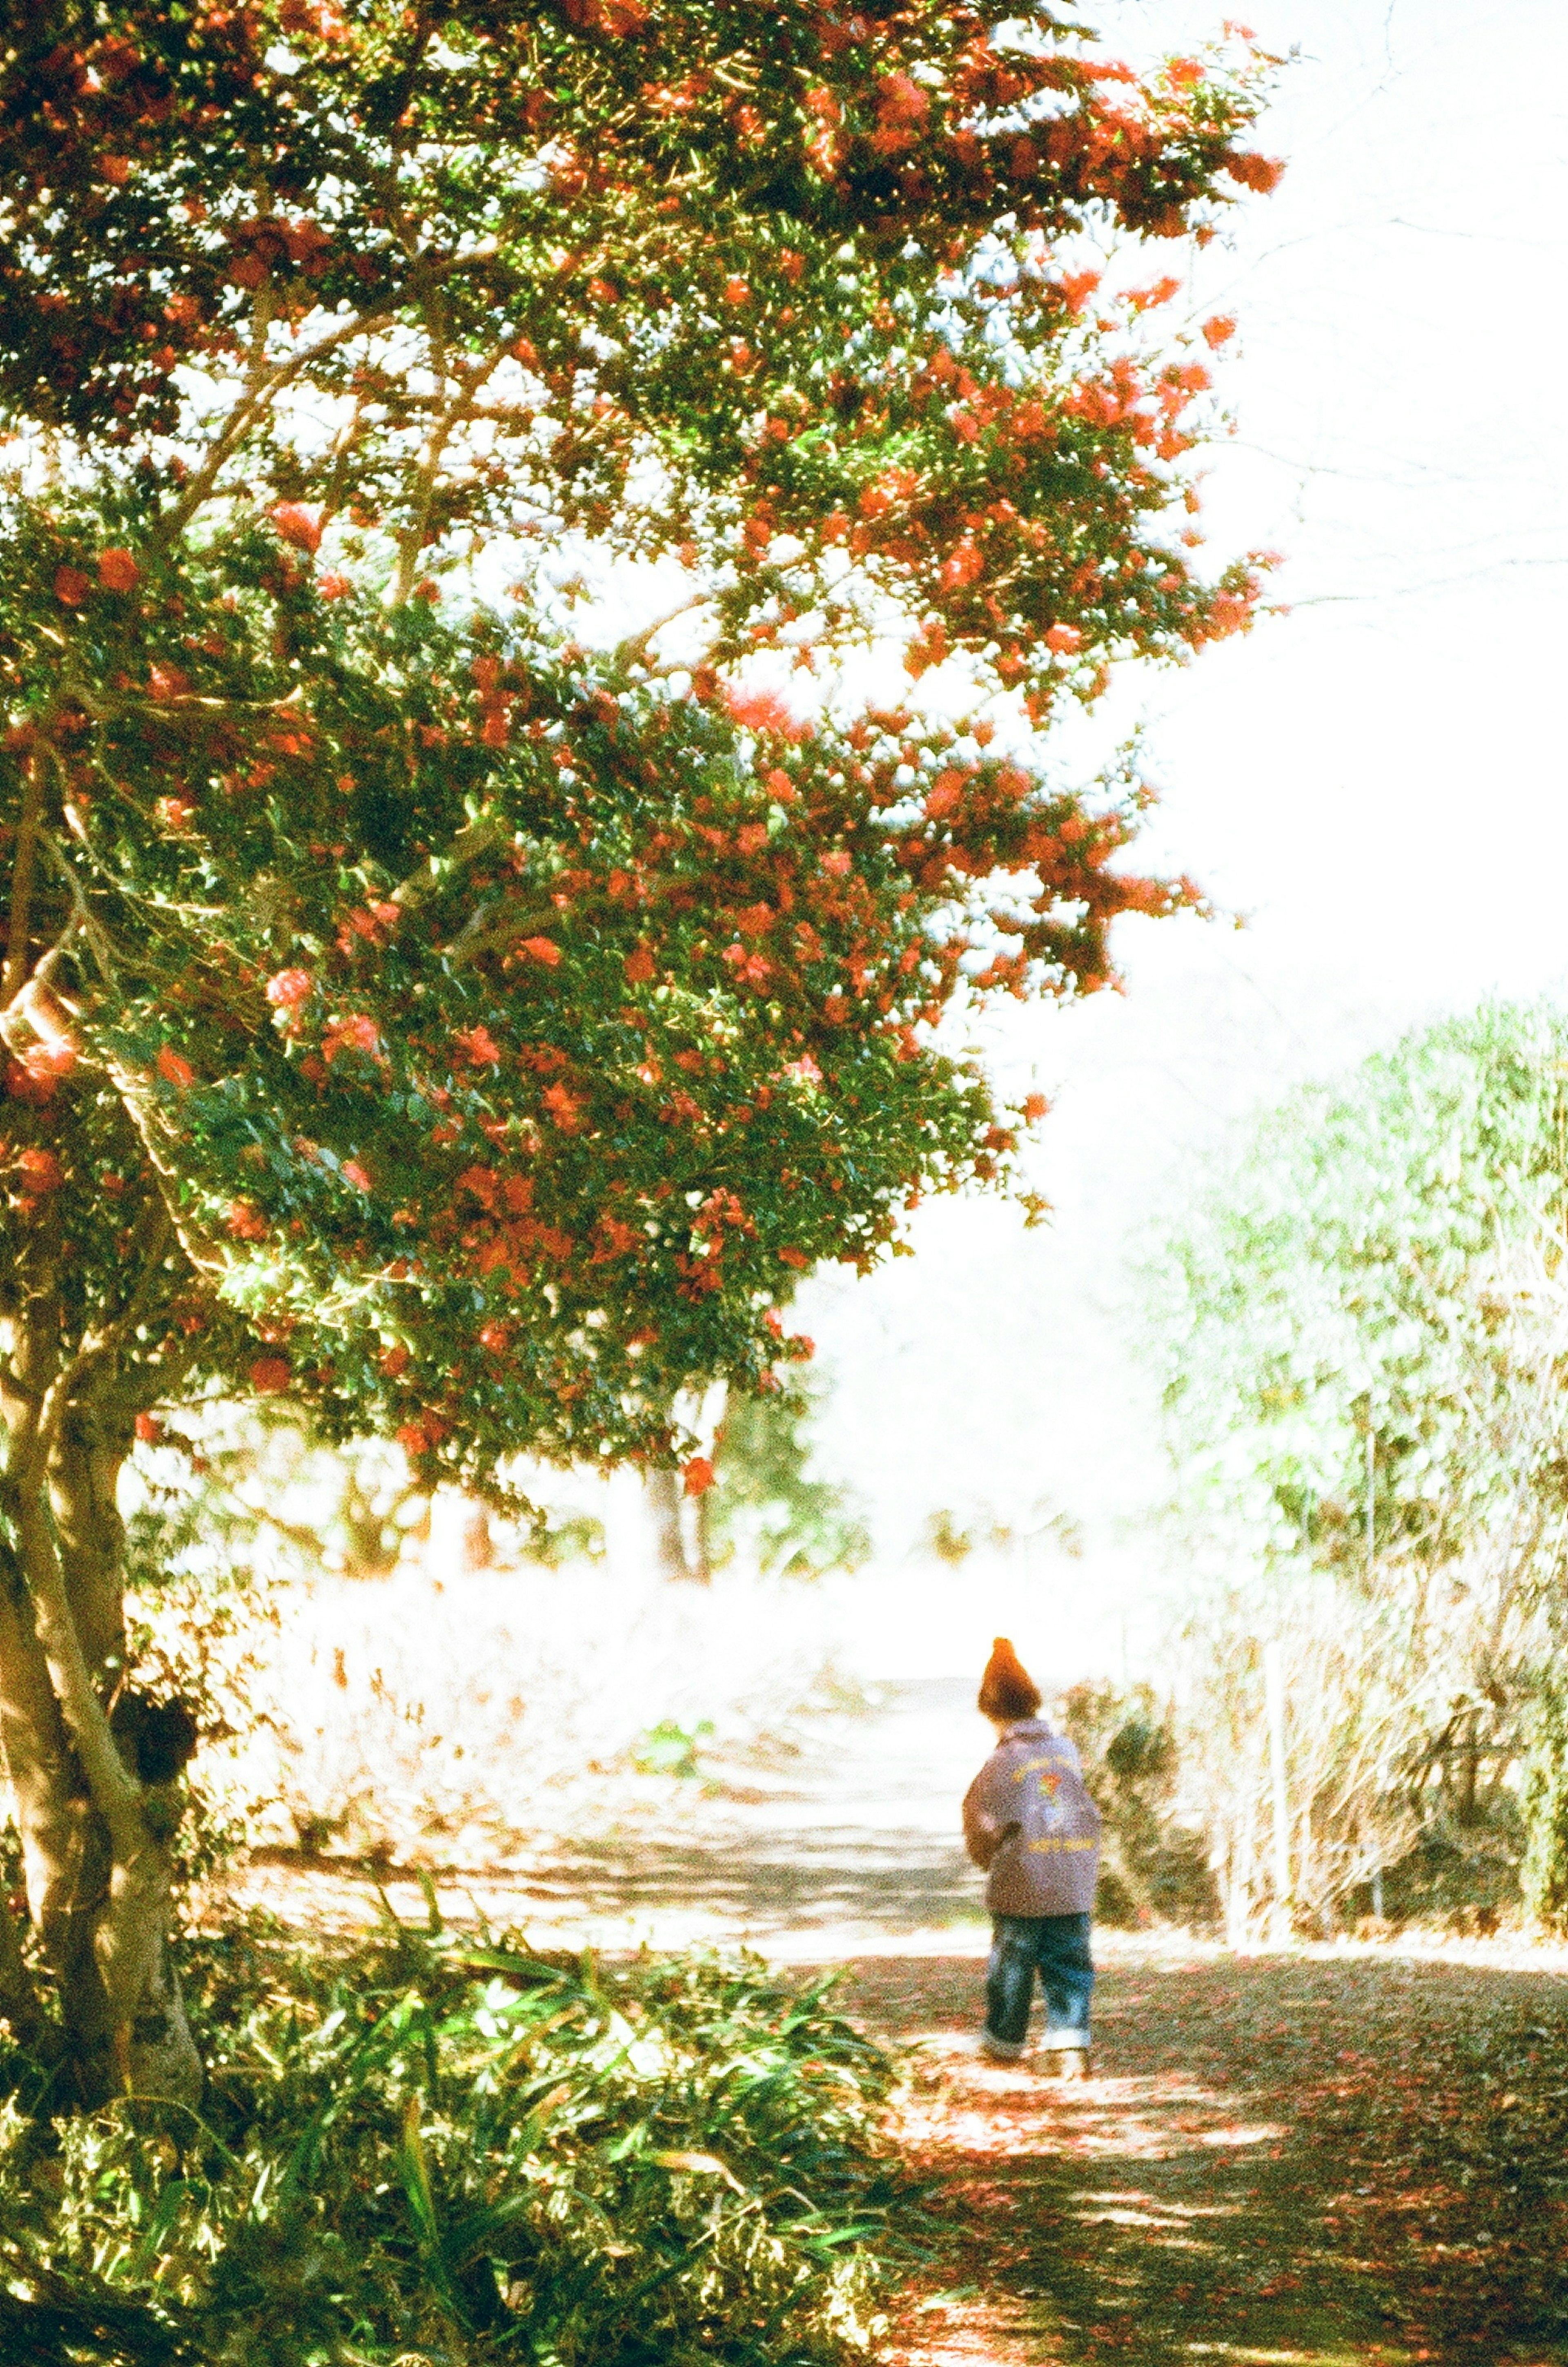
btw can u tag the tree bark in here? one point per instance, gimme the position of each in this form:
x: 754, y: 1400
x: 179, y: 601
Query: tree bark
x: 21, y: 2004
x: 96, y: 1839
x: 670, y: 1543
x: 702, y: 1526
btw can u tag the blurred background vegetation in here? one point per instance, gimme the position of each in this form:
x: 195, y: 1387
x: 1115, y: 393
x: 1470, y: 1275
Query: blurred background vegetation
x: 1358, y: 1314
x: 1361, y: 1328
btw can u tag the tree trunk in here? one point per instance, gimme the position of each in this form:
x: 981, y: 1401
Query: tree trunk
x: 95, y: 1837
x: 702, y: 1538
x: 670, y: 1543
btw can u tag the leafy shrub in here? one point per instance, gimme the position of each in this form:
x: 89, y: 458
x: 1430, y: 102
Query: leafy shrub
x: 1153, y: 1865
x: 671, y: 1749
x: 1544, y: 1875
x: 447, y: 2150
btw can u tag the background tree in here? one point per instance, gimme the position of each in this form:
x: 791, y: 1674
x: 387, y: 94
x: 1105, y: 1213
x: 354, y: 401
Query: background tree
x: 1366, y: 1342
x: 468, y: 1033
x: 768, y: 1501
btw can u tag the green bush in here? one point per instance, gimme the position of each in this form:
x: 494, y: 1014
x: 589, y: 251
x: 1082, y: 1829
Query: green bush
x: 1153, y: 1867
x: 457, y: 2152
x: 671, y: 1749
x: 1543, y: 1877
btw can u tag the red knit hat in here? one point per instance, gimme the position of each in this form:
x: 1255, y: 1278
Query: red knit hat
x: 1006, y: 1689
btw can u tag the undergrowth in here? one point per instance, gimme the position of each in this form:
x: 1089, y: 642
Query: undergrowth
x: 444, y: 2150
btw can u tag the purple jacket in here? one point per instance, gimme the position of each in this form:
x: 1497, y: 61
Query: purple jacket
x: 1028, y: 1818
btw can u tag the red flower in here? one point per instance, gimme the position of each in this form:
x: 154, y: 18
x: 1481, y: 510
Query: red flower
x: 639, y: 967
x: 1064, y: 639
x: 289, y: 988
x: 760, y: 710
x: 149, y: 1428
x: 354, y: 1030
x: 174, y: 1069
x: 893, y: 485
x: 900, y: 100
x: 245, y: 1223
x: 297, y: 525
x: 1222, y: 327
x: 542, y: 949
x: 39, y: 1071
x: 42, y: 1170
x: 71, y: 586
x: 698, y: 1474
x: 335, y: 585
x: 353, y: 1173
x: 413, y: 1440
x: 270, y: 1373
x: 1078, y: 287
x: 117, y: 571
x: 479, y: 1046
x: 1255, y: 171
x: 563, y: 1106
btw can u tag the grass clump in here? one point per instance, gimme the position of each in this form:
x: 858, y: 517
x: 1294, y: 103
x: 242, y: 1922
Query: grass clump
x: 457, y: 2152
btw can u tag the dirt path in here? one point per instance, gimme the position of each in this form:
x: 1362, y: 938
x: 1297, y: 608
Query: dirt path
x: 1316, y: 2159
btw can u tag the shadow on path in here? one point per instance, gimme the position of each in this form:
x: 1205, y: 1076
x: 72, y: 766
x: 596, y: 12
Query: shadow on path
x: 1314, y: 2160
x: 1310, y: 2159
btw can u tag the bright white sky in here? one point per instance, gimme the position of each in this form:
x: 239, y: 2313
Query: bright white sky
x: 1377, y: 780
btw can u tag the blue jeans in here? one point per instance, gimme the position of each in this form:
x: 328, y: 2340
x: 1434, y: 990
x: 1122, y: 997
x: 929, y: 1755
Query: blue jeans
x: 1054, y: 1946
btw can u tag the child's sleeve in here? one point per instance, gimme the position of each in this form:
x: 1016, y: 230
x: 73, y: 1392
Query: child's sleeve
x: 982, y: 1832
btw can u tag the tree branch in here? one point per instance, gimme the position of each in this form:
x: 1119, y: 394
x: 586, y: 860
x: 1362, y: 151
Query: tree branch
x: 22, y: 869
x: 266, y: 385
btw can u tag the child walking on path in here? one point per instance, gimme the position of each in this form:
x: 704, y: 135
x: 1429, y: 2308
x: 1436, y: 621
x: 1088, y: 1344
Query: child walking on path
x: 1028, y: 1819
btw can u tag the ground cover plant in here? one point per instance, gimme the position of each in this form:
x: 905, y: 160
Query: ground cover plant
x: 417, y: 1004
x: 438, y: 2148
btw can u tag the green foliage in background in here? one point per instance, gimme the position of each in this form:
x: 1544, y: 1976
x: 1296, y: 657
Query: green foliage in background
x: 1363, y: 1332
x: 767, y: 1495
x: 445, y: 2149
x: 1347, y: 1274
x: 1152, y: 1865
x: 671, y: 1749
x: 1543, y: 1877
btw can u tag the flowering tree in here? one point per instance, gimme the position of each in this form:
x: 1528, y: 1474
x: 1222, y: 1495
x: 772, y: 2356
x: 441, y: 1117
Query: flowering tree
x: 408, y: 1008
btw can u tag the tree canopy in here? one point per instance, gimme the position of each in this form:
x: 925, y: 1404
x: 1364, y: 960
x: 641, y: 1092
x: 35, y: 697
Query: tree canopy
x: 467, y: 1025
x: 471, y: 1032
